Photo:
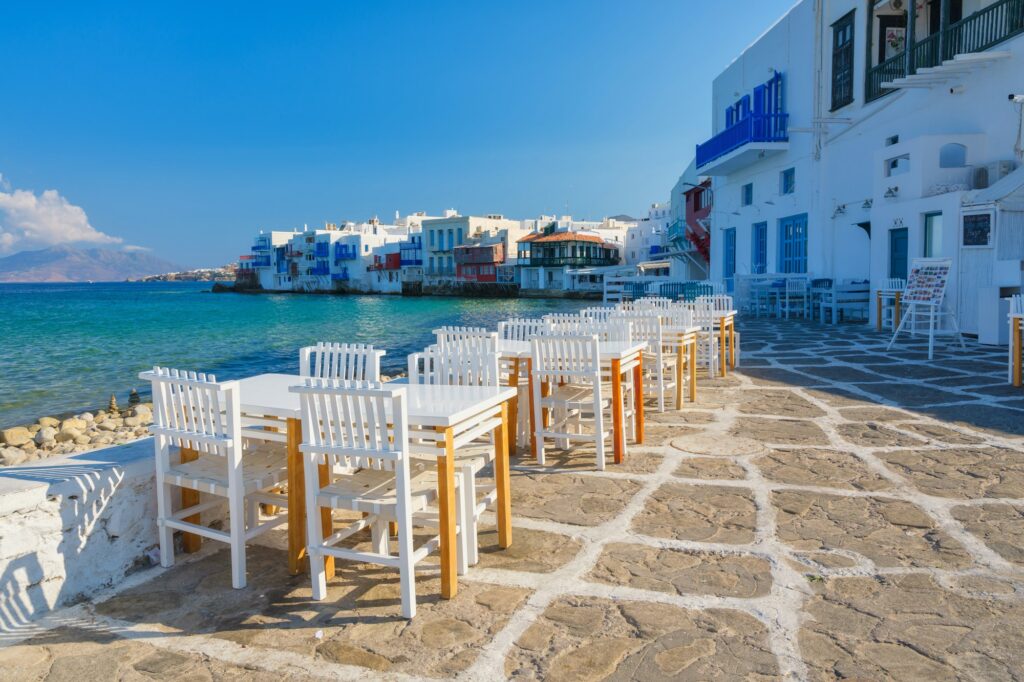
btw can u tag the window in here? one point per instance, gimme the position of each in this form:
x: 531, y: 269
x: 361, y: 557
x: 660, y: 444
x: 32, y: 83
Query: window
x: 933, y: 235
x: 787, y: 181
x: 842, y: 62
x: 759, y: 245
x: 897, y: 165
x: 459, y: 236
x: 432, y: 233
x: 747, y: 194
x: 793, y: 244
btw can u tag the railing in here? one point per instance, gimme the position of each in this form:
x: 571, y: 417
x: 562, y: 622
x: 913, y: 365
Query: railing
x: 411, y: 261
x: 261, y: 262
x: 975, y: 33
x: 322, y: 250
x: 345, y: 252
x: 657, y: 250
x: 320, y: 269
x: 340, y: 276
x: 754, y: 128
x: 892, y: 68
x: 985, y: 28
x: 582, y: 261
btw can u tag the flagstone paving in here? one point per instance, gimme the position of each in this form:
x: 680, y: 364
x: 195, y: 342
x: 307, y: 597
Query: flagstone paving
x: 830, y: 510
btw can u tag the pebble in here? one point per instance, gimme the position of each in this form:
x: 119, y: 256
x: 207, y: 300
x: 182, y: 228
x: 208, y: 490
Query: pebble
x: 45, y: 434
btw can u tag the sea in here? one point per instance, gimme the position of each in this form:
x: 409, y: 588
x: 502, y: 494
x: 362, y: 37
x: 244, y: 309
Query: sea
x: 68, y: 347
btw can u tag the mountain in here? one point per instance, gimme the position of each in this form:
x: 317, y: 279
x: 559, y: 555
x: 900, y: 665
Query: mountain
x: 73, y: 264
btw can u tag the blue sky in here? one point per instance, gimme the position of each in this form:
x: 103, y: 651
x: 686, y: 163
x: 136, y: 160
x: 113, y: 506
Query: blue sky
x: 184, y: 127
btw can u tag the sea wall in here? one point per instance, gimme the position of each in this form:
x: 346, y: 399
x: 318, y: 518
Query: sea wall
x: 74, y: 524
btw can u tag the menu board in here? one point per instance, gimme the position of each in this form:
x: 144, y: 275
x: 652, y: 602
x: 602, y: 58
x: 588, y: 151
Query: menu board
x: 977, y: 229
x: 927, y: 280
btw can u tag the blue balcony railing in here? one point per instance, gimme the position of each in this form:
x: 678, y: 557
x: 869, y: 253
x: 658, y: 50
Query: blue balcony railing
x: 261, y: 262
x: 345, y: 252
x: 657, y: 250
x: 322, y: 250
x: 753, y: 128
x: 340, y: 276
x: 321, y: 269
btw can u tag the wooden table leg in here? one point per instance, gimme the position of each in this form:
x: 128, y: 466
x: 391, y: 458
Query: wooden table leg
x: 638, y: 392
x: 190, y: 542
x: 296, y: 500
x: 502, y: 479
x: 897, y: 304
x: 1018, y: 354
x: 721, y: 345
x: 693, y: 369
x: 513, y: 409
x: 324, y: 476
x: 446, y: 516
x: 618, y: 437
x: 878, y: 310
x: 732, y: 343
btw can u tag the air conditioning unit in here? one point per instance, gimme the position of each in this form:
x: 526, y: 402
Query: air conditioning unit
x: 989, y: 174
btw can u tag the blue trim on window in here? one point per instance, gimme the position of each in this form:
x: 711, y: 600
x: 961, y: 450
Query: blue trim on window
x: 793, y: 244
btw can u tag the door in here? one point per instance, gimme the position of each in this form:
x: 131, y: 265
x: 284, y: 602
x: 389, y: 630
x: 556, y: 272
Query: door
x: 759, y: 257
x: 976, y: 262
x: 898, y: 253
x: 729, y: 264
x: 793, y: 244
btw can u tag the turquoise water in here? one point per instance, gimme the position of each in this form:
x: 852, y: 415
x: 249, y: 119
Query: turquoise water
x: 69, y: 346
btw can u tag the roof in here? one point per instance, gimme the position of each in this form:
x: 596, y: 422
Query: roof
x: 542, y: 238
x: 1000, y: 191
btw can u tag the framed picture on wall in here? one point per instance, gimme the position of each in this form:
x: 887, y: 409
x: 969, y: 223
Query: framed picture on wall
x: 977, y: 229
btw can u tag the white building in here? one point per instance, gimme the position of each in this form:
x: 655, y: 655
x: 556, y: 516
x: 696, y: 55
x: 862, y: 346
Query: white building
x: 442, y: 235
x: 838, y: 153
x: 644, y: 241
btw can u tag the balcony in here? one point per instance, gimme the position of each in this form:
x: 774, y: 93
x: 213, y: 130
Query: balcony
x: 340, y: 276
x: 322, y: 250
x: 571, y: 261
x: 743, y: 143
x: 949, y: 54
x: 345, y: 252
x: 321, y: 269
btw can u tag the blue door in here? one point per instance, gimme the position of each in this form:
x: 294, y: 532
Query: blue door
x: 759, y: 255
x: 729, y: 262
x: 898, y: 253
x: 793, y: 244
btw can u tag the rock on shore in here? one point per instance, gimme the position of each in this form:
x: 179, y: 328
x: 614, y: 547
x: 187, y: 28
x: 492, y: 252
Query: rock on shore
x: 49, y: 436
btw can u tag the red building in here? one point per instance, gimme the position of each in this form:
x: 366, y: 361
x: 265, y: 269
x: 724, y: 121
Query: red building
x: 698, y: 211
x: 478, y: 262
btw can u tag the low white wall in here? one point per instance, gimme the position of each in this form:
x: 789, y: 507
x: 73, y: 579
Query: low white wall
x: 71, y: 525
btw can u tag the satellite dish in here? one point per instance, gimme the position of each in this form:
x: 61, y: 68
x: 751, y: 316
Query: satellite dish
x: 896, y: 5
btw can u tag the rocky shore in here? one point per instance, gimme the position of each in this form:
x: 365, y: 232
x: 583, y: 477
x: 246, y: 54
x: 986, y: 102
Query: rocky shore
x: 50, y: 436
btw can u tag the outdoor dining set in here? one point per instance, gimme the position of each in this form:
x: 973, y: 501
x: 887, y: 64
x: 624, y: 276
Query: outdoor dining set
x: 430, y: 451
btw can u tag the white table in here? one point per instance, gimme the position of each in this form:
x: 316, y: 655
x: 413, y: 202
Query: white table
x: 615, y: 354
x: 438, y: 416
x: 684, y: 341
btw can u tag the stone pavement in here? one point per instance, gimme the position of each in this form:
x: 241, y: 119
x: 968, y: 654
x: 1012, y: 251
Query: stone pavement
x: 830, y: 511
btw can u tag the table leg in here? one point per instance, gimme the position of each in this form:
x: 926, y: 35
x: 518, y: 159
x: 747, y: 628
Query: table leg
x: 721, y: 345
x: 446, y: 516
x: 513, y: 409
x: 618, y: 437
x: 878, y: 310
x: 296, y: 499
x: 502, y: 479
x: 693, y: 370
x: 638, y: 394
x: 190, y: 542
x: 324, y: 476
x: 732, y: 344
x: 897, y: 304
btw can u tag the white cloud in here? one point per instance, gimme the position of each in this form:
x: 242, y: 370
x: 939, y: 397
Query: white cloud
x: 29, y: 220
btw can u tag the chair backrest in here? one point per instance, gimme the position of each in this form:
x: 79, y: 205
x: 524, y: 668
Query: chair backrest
x: 599, y: 313
x: 348, y: 361
x: 561, y: 318
x: 611, y: 330
x: 645, y: 327
x: 720, y: 303
x: 822, y: 283
x: 193, y: 409
x: 566, y: 359
x: 678, y: 316
x: 478, y: 336
x: 520, y: 329
x: 1017, y: 304
x: 455, y: 365
x: 894, y: 284
x: 796, y: 285
x: 653, y: 303
x: 354, y: 424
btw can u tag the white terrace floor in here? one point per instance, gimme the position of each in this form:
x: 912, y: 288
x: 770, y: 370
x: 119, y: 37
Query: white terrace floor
x: 832, y: 510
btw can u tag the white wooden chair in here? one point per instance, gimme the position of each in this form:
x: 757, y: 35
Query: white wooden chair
x: 1016, y: 319
x: 447, y: 336
x: 653, y: 303
x: 707, y: 340
x: 598, y: 313
x: 796, y: 299
x: 360, y: 429
x: 194, y: 411
x: 565, y: 318
x: 520, y: 329
x: 466, y: 365
x: 571, y: 366
x: 658, y: 361
x: 722, y: 304
x: 891, y: 284
x: 348, y: 361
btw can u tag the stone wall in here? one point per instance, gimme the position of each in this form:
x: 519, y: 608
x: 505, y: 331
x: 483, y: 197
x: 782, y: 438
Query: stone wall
x: 70, y: 525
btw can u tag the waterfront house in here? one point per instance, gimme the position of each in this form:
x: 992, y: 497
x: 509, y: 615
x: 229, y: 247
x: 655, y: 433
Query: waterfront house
x: 853, y: 137
x: 259, y: 269
x: 687, y: 239
x: 554, y: 261
x: 479, y: 261
x: 442, y: 235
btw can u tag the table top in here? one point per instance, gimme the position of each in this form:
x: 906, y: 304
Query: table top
x: 432, y: 405
x: 610, y: 350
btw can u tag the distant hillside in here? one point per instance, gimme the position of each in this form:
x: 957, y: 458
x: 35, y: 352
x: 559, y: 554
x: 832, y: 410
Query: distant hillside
x: 72, y: 264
